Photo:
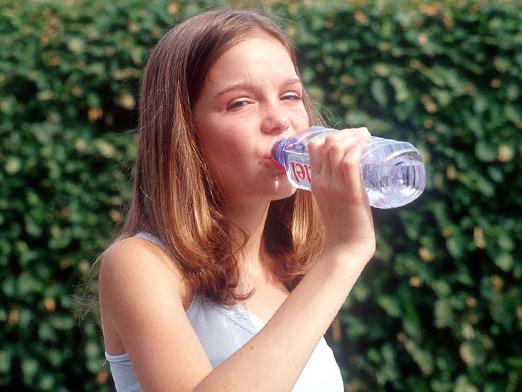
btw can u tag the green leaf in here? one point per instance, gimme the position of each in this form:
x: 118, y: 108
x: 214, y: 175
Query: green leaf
x: 401, y: 90
x: 455, y: 246
x: 29, y: 369
x: 485, y: 151
x: 390, y: 305
x: 443, y: 313
x: 504, y: 261
x: 378, y: 90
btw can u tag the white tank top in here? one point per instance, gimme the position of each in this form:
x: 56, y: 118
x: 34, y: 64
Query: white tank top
x: 222, y: 331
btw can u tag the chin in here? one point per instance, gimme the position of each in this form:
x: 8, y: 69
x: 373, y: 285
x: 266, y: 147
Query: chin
x: 282, y: 189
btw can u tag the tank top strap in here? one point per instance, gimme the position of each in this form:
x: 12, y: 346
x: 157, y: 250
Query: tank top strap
x: 151, y: 238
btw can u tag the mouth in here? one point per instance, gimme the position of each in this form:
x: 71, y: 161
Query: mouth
x: 276, y: 165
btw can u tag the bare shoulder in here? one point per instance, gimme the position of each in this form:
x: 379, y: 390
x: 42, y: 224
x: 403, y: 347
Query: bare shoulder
x: 129, y: 249
x: 138, y: 263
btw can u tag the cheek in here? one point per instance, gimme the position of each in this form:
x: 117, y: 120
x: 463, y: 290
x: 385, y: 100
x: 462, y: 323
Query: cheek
x: 301, y: 118
x: 226, y: 144
x: 228, y: 136
x: 224, y: 150
x: 212, y: 137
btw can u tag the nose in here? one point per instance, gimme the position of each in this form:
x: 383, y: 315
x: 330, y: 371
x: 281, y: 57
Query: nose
x: 275, y: 120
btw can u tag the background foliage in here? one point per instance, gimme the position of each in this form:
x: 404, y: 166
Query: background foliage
x: 439, y: 309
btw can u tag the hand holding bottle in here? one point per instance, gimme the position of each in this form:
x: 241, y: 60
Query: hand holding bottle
x: 340, y: 193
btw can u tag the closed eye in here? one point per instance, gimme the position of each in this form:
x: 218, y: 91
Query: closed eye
x: 291, y: 97
x: 237, y: 104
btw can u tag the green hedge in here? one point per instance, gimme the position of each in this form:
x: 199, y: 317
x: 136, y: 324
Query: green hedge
x: 440, y: 307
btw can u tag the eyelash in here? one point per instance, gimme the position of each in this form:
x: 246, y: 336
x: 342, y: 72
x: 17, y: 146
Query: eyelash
x: 293, y: 96
x: 243, y: 102
x: 237, y: 104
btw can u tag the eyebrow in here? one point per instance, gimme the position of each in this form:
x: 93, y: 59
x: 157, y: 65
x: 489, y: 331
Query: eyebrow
x: 249, y: 86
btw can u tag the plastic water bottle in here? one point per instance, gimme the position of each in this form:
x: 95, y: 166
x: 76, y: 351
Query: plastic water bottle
x: 392, y: 171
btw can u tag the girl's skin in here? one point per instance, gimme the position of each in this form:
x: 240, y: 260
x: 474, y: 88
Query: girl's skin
x: 250, y: 99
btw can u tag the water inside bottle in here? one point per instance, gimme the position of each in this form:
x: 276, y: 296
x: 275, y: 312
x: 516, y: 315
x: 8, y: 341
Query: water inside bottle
x: 393, y: 184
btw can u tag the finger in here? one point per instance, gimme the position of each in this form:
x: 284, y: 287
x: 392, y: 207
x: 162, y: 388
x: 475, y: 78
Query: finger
x: 350, y: 164
x: 336, y: 145
x: 340, y: 144
x: 349, y: 160
x: 316, y: 160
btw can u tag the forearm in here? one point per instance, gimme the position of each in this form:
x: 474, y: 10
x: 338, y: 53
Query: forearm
x: 275, y: 357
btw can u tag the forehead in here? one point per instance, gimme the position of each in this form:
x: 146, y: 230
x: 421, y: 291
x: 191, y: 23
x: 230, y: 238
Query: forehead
x: 257, y: 54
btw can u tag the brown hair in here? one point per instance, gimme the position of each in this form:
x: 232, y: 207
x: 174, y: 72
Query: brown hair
x: 174, y: 196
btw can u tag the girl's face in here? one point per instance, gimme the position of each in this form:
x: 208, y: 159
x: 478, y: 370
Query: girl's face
x: 251, y: 98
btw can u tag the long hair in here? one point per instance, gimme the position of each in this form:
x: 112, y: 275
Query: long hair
x: 174, y: 196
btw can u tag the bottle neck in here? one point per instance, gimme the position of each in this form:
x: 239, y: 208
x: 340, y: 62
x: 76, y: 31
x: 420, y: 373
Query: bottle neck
x: 277, y: 152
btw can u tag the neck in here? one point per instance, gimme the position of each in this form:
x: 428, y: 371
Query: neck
x: 253, y: 260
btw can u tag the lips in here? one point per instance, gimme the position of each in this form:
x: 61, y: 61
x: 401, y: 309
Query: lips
x: 277, y: 166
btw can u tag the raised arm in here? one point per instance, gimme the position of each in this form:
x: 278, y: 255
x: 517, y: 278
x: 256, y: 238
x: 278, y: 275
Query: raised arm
x: 274, y: 358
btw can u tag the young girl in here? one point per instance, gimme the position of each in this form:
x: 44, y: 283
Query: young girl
x: 224, y: 277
